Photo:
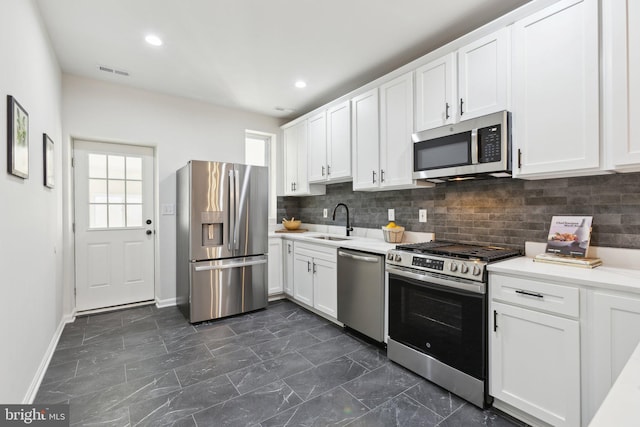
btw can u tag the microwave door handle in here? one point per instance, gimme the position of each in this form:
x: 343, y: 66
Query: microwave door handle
x: 474, y: 146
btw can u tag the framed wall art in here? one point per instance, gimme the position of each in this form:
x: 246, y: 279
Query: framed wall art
x: 18, y: 139
x: 48, y: 156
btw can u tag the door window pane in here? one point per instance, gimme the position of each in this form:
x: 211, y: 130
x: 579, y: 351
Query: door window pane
x: 97, y: 191
x: 134, y: 215
x: 98, y: 216
x: 134, y: 191
x: 116, y: 167
x: 116, y: 216
x: 97, y: 166
x: 116, y: 191
x: 134, y: 168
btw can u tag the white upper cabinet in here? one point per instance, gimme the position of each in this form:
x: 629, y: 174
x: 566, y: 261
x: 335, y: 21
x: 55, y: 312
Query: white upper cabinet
x: 330, y: 145
x: 365, y: 139
x: 468, y: 83
x: 436, y: 93
x: 382, y: 123
x: 339, y: 142
x: 317, y: 147
x: 621, y: 83
x: 483, y: 75
x: 396, y: 126
x: 556, y: 92
x: 295, y: 162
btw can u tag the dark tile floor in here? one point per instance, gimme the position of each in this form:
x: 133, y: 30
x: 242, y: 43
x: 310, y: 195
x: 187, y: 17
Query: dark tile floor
x: 282, y: 366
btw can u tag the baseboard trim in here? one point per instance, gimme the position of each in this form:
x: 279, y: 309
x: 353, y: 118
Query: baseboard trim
x: 46, y: 359
x: 162, y: 303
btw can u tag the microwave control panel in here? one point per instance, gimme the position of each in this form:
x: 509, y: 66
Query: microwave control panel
x: 489, y: 144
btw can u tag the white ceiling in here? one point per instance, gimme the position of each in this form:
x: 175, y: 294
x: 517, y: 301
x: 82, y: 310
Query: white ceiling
x: 247, y: 54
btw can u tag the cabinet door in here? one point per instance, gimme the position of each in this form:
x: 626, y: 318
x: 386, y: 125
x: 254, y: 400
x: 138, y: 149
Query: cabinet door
x: 303, y: 278
x: 365, y: 139
x: 302, y: 180
x: 436, y: 93
x: 483, y: 76
x: 325, y: 283
x: 287, y: 254
x: 621, y: 104
x: 556, y: 91
x: 614, y: 333
x: 317, y: 150
x: 275, y: 266
x: 290, y: 159
x: 534, y: 363
x: 339, y: 142
x: 396, y: 125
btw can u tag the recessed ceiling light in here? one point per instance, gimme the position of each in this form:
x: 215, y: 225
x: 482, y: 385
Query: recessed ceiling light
x: 153, y: 40
x: 300, y: 84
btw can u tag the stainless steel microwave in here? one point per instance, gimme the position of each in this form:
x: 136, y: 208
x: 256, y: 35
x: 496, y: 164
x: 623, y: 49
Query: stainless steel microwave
x: 473, y: 148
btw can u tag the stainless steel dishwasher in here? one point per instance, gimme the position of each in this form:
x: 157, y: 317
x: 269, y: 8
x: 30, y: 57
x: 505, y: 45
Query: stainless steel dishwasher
x: 361, y: 292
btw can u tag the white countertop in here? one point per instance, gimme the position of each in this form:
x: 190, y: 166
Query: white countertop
x: 619, y: 279
x: 620, y: 408
x: 362, y: 239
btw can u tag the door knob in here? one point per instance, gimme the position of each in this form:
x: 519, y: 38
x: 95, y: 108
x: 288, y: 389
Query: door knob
x: 148, y: 221
x: 149, y: 232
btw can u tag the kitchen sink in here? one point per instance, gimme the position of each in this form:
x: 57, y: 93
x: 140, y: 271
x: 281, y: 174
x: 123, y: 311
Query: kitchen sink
x: 333, y: 238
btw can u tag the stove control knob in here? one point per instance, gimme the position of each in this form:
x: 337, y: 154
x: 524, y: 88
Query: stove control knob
x: 398, y: 258
x: 453, y: 266
x: 464, y: 269
x: 390, y: 256
x: 476, y: 270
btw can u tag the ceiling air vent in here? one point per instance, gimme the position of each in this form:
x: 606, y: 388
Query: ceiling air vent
x: 113, y: 71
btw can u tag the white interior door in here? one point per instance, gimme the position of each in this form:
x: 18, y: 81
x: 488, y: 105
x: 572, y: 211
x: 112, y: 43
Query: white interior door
x: 114, y: 224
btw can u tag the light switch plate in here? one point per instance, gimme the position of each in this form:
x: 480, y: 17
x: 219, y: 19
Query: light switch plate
x: 167, y: 210
x: 422, y: 215
x: 392, y: 214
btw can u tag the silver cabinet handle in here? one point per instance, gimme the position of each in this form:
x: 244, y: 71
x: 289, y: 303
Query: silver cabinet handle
x: 328, y: 170
x: 308, y: 266
x: 530, y: 294
x: 374, y: 177
x: 322, y: 170
x: 358, y: 257
x: 314, y: 268
x: 381, y: 175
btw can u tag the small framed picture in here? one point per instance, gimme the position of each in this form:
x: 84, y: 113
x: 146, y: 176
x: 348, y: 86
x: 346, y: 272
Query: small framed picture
x: 48, y: 156
x: 18, y: 139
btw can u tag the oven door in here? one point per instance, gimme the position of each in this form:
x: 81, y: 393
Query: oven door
x: 445, y: 323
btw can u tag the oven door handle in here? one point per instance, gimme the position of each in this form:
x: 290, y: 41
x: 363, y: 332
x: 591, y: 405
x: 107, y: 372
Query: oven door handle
x: 475, y: 287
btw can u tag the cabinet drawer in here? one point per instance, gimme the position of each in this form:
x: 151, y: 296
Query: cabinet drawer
x: 549, y: 297
x: 328, y: 253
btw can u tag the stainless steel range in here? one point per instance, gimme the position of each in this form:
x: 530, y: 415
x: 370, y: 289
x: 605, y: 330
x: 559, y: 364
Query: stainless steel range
x: 438, y: 313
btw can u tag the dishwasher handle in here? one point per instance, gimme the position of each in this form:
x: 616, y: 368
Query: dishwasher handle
x: 359, y: 257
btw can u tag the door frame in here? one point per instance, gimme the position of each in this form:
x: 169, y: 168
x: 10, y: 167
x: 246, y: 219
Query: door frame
x: 71, y: 235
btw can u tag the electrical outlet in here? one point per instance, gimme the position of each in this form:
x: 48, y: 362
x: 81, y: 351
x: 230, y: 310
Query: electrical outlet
x: 422, y: 215
x: 325, y: 213
x: 392, y: 214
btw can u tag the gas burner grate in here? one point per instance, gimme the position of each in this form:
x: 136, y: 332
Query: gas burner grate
x: 460, y: 250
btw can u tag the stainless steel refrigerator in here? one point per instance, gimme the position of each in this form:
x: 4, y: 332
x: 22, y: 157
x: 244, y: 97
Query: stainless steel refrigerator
x: 222, y: 242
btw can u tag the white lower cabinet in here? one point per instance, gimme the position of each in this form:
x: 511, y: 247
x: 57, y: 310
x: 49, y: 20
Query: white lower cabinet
x: 534, y: 356
x: 275, y: 266
x: 315, y: 277
x: 287, y: 266
x: 614, y: 332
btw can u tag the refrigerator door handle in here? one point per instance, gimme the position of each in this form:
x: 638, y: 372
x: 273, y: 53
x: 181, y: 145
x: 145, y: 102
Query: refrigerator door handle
x: 236, y: 185
x: 230, y: 265
x: 232, y: 214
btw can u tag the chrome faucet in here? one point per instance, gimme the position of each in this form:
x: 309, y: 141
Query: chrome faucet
x: 349, y: 228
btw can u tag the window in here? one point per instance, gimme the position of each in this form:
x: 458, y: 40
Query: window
x: 115, y: 191
x: 260, y: 150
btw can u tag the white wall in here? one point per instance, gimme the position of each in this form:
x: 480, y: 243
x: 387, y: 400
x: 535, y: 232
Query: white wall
x: 180, y: 129
x: 31, y: 216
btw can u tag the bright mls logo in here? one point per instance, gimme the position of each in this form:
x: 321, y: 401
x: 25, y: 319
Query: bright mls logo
x: 35, y: 415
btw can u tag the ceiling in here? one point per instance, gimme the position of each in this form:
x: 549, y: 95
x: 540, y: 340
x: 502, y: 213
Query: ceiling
x: 247, y: 54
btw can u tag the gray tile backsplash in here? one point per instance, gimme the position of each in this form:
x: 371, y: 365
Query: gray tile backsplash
x: 498, y: 211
